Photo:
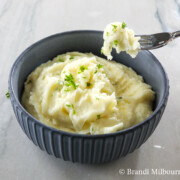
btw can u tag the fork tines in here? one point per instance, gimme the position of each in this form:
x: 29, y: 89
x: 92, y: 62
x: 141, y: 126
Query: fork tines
x: 146, y: 41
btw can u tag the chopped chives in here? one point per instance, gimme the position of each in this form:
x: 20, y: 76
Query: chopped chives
x: 8, y: 94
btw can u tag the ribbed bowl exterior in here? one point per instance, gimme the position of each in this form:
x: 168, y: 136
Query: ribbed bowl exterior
x: 85, y: 149
x: 77, y: 147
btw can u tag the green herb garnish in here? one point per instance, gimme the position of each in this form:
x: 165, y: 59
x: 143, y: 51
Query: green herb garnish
x: 71, y: 57
x: 123, y: 25
x: 8, y: 94
x: 98, y: 116
x: 99, y: 66
x: 67, y: 90
x: 84, y: 77
x: 64, y: 71
x: 82, y: 69
x: 107, y: 33
x: 97, y: 98
x: 70, y: 81
x: 92, y: 129
x: 74, y: 112
x: 115, y: 42
x: 101, y: 51
x: 114, y: 26
x: 59, y: 59
x: 71, y: 106
x: 119, y: 97
x: 88, y: 84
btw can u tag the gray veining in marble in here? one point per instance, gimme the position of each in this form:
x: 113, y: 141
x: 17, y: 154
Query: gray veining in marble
x: 23, y: 22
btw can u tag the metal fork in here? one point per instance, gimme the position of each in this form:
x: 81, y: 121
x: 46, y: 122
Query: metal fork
x: 158, y: 40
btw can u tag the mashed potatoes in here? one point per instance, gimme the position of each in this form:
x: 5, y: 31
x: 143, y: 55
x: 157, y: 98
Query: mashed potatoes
x: 117, y: 35
x: 83, y: 93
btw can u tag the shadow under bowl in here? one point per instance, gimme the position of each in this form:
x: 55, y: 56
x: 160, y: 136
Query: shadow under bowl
x: 76, y: 147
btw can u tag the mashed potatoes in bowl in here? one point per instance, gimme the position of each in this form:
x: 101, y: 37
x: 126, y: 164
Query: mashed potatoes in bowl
x: 85, y: 94
x: 54, y: 91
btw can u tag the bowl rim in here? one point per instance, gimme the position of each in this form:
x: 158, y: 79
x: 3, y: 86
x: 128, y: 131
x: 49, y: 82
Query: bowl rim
x: 14, y: 97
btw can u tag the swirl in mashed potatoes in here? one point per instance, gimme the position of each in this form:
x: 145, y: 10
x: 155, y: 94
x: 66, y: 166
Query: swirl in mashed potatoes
x: 117, y: 35
x: 86, y: 94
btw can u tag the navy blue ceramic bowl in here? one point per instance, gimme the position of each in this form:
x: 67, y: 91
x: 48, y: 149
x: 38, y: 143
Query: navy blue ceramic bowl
x: 76, y: 147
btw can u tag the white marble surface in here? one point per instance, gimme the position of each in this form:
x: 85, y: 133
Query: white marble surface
x: 23, y: 22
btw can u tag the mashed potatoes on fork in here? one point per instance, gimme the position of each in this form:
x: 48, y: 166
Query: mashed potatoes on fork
x: 117, y: 35
x: 86, y: 94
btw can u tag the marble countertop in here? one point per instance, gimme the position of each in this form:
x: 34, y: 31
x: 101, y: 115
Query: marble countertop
x: 24, y: 22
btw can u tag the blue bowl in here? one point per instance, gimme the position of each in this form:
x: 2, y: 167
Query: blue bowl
x: 77, y: 147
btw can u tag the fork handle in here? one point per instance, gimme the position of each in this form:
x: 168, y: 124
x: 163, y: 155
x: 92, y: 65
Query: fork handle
x: 175, y: 34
